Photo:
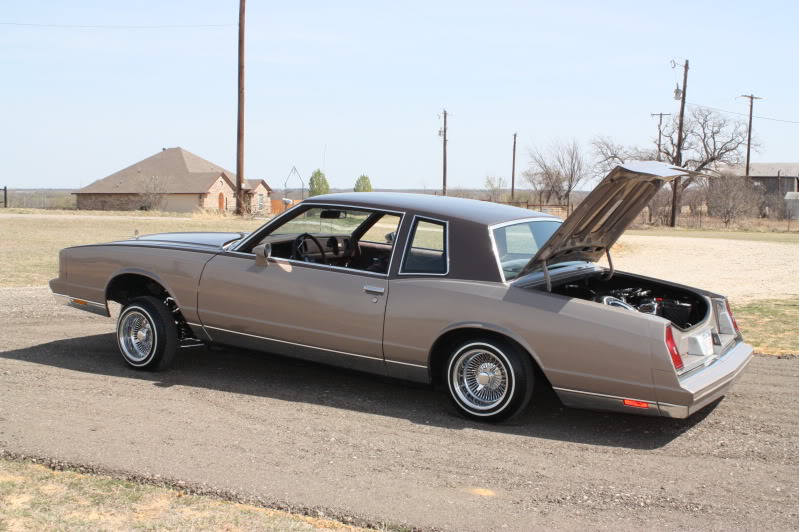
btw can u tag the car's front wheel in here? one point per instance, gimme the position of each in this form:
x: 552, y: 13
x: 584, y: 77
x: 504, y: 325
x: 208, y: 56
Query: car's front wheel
x: 147, y: 334
x: 488, y: 379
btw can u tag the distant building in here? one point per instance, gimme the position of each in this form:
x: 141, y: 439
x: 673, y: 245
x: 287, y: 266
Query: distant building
x: 777, y: 178
x: 173, y: 180
x: 792, y: 205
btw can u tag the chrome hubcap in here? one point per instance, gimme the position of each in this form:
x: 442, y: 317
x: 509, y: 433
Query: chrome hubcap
x: 136, y: 336
x: 480, y: 379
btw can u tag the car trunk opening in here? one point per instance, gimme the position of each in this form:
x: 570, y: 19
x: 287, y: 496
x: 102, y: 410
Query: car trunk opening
x: 683, y: 308
x: 701, y: 325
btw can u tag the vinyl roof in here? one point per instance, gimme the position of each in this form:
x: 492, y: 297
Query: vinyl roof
x: 446, y: 207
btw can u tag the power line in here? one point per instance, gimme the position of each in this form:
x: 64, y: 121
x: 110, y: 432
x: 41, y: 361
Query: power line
x: 115, y: 26
x: 743, y: 114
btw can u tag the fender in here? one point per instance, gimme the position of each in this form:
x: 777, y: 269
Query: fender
x: 487, y: 327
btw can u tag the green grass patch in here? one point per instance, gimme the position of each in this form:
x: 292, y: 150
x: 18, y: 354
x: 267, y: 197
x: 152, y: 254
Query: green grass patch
x: 771, y: 325
x: 33, y: 497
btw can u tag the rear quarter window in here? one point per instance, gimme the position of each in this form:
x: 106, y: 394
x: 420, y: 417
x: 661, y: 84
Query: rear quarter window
x: 427, y: 249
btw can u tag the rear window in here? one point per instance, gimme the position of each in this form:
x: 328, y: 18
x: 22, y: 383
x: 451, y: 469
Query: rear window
x: 519, y: 242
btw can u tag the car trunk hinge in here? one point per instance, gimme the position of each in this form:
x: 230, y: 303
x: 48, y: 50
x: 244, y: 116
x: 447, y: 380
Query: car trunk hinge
x: 610, y: 271
x: 546, y: 275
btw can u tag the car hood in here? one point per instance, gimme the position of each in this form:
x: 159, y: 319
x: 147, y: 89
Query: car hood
x: 196, y: 240
x: 601, y: 218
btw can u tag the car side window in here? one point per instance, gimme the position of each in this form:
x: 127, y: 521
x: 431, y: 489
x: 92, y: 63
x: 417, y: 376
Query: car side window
x: 387, y: 224
x: 427, y: 252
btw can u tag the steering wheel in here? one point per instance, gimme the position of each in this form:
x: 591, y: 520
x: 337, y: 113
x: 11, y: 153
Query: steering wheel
x: 297, y: 252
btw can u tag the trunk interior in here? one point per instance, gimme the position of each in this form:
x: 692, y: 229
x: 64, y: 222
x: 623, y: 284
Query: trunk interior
x: 682, y: 307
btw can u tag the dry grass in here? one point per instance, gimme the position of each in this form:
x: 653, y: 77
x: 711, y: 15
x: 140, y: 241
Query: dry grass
x: 33, y: 497
x: 762, y: 236
x: 29, y: 245
x: 72, y: 212
x: 770, y: 326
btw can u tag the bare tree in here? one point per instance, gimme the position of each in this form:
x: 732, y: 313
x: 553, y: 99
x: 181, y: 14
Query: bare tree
x: 557, y: 171
x: 712, y: 140
x: 694, y: 196
x: 495, y: 185
x: 730, y: 197
x: 660, y: 208
x: 608, y: 154
x: 153, y: 193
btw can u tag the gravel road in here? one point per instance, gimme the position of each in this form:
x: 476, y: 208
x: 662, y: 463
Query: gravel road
x: 304, y: 435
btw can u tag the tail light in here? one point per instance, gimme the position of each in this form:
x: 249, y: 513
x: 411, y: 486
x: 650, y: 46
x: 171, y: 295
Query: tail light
x: 729, y: 311
x: 671, y: 345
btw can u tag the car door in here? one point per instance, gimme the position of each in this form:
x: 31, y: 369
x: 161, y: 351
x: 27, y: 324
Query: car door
x: 302, y: 309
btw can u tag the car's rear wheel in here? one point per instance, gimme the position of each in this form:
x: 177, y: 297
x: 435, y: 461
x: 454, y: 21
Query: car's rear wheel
x: 489, y: 379
x: 147, y: 334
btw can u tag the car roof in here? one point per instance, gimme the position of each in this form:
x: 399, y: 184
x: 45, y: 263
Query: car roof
x: 444, y: 207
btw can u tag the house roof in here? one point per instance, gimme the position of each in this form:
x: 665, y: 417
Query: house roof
x: 172, y: 171
x: 252, y: 184
x: 769, y: 169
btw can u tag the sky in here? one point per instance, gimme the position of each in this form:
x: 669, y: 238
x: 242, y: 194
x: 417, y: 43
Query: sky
x: 358, y: 87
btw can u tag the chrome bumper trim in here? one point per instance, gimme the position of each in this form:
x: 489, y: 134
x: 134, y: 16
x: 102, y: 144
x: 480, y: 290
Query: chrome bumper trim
x: 82, y: 304
x: 604, y: 402
x: 741, y: 353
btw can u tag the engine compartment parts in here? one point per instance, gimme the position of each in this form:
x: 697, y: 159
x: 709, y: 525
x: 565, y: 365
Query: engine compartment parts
x: 681, y: 307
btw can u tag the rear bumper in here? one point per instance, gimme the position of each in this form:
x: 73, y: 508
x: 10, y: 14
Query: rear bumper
x: 692, y: 393
x: 710, y: 383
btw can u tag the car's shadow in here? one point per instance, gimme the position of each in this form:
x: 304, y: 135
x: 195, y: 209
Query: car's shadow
x: 264, y: 375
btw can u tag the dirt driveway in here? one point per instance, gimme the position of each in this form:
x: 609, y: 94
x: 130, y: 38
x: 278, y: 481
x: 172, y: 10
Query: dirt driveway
x: 303, y: 435
x: 744, y: 270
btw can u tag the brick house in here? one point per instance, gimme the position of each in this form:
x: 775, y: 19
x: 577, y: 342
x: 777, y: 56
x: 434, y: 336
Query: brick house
x: 173, y: 180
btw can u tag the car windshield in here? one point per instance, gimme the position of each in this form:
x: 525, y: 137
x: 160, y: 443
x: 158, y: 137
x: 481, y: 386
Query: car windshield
x: 323, y: 221
x: 517, y: 243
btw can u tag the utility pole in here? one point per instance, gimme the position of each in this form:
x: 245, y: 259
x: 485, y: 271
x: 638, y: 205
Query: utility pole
x: 5, y: 197
x: 675, y: 199
x: 443, y: 133
x: 513, y: 171
x: 752, y: 99
x: 660, y: 128
x: 240, y: 121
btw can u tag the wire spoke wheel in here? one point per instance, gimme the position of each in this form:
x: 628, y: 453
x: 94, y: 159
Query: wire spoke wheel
x: 480, y: 379
x: 136, y: 336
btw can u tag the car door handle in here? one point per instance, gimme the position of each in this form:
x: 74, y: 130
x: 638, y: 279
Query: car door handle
x: 374, y: 290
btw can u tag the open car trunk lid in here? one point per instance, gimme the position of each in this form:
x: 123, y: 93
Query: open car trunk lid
x: 598, y: 222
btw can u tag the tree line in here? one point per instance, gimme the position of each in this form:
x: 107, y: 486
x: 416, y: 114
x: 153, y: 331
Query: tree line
x: 319, y: 185
x: 712, y: 143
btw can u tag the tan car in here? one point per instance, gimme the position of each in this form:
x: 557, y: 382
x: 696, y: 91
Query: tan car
x: 477, y: 296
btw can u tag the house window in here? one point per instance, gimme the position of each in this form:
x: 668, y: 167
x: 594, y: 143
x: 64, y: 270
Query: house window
x: 260, y: 202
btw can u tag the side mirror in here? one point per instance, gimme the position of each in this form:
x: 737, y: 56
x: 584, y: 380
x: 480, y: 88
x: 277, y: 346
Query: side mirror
x: 391, y: 237
x: 262, y: 253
